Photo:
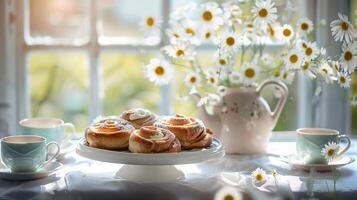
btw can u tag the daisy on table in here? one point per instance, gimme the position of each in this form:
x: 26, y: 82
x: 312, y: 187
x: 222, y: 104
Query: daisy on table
x: 330, y: 151
x: 294, y: 59
x: 193, y: 79
x: 344, y: 79
x: 264, y: 13
x: 304, y: 26
x: 228, y: 193
x: 249, y: 74
x: 210, y: 15
x: 179, y: 49
x: 230, y: 42
x: 259, y: 176
x: 326, y: 72
x: 159, y: 71
x: 349, y: 56
x: 151, y: 25
x: 342, y: 29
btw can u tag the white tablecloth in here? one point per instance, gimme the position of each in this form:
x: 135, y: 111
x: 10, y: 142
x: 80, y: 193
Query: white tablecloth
x: 81, y: 178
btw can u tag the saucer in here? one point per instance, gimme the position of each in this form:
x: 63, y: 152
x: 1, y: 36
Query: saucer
x: 338, y: 162
x: 47, y: 170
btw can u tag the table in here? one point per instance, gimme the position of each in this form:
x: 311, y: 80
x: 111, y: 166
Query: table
x: 81, y: 178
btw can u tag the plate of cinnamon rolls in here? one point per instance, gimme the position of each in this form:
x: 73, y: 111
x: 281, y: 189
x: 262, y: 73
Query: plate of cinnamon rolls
x: 140, y: 137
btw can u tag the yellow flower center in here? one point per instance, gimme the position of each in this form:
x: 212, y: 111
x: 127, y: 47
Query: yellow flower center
x: 159, y: 70
x: 308, y: 51
x: 150, y: 22
x: 230, y: 41
x: 304, y: 45
x: 330, y: 152
x: 293, y: 58
x: 276, y: 73
x: 344, y: 26
x: 305, y: 66
x: 222, y: 62
x: 250, y: 25
x: 193, y: 79
x: 228, y: 197
x: 304, y: 26
x: 342, y: 79
x: 287, y: 32
x: 207, y: 35
x: 190, y: 31
x: 259, y: 177
x: 263, y: 12
x: 250, y: 73
x: 207, y: 15
x: 212, y: 80
x: 348, y: 55
x: 324, y: 71
x: 180, y: 53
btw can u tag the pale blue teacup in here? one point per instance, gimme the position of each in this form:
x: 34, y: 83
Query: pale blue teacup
x: 310, y: 142
x: 51, y: 128
x: 26, y: 153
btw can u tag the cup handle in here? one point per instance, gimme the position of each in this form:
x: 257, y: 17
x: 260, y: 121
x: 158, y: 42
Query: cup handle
x: 54, y: 155
x: 73, y: 131
x: 341, y: 137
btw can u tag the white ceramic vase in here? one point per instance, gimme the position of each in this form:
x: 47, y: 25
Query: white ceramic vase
x: 243, y: 121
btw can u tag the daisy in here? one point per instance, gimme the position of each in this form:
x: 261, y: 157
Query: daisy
x: 228, y: 193
x: 293, y: 60
x: 326, y: 72
x: 159, y: 71
x: 230, y: 41
x: 307, y: 69
x: 310, y: 50
x: 264, y: 12
x: 175, y: 33
x: 179, y: 49
x: 232, y: 13
x: 208, y: 35
x: 212, y: 80
x: 259, y: 176
x: 249, y: 74
x: 286, y: 32
x: 234, y: 77
x: 342, y: 29
x: 150, y: 25
x: 211, y: 15
x: 272, y: 31
x: 190, y: 31
x: 287, y: 77
x: 304, y: 26
x: 221, y: 90
x: 335, y: 66
x: 330, y: 151
x: 209, y: 99
x: 222, y: 59
x: 344, y: 79
x: 192, y: 79
x: 349, y: 56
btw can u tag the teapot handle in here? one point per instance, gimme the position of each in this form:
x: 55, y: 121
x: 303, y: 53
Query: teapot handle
x: 284, y: 95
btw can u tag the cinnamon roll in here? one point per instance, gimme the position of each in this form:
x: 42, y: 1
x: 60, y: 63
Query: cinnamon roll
x: 109, y: 134
x: 151, y: 139
x: 191, y: 132
x: 139, y: 117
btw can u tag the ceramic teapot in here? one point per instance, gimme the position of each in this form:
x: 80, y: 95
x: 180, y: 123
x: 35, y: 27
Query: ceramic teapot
x: 242, y: 120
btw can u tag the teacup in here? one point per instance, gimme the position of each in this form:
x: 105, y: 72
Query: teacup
x: 311, y: 141
x: 51, y: 128
x: 26, y: 153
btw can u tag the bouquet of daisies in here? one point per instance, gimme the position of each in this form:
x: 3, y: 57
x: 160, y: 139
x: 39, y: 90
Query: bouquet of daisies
x: 239, y: 32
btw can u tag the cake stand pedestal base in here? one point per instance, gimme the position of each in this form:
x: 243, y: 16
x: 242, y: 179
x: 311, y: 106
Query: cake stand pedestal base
x: 150, y: 173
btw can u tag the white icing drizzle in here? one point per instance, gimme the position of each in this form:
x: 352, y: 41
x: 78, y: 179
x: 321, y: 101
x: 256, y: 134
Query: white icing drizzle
x: 139, y: 113
x: 159, y: 135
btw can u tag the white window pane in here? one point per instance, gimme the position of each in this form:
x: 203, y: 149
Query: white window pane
x: 119, y: 20
x: 59, y: 86
x: 57, y: 21
x: 124, y: 84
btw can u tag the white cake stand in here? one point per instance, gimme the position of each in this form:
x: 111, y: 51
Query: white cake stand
x: 151, y: 167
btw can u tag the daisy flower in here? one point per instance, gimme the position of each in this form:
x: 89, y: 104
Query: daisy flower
x: 192, y: 79
x: 175, y: 34
x: 272, y: 31
x: 209, y: 99
x: 287, y: 77
x: 326, y: 72
x: 304, y: 26
x: 259, y: 176
x: 344, y: 79
x: 159, y: 71
x: 179, y: 49
x: 211, y: 15
x: 286, y: 32
x: 221, y: 90
x: 293, y: 60
x: 234, y: 77
x: 208, y: 35
x: 264, y: 12
x: 249, y: 74
x: 232, y: 13
x: 212, y: 79
x: 190, y: 31
x: 330, y: 151
x: 349, y: 56
x: 230, y: 41
x: 150, y: 25
x: 307, y: 69
x: 310, y: 51
x: 342, y: 29
x: 228, y: 193
x: 335, y: 66
x: 222, y: 59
